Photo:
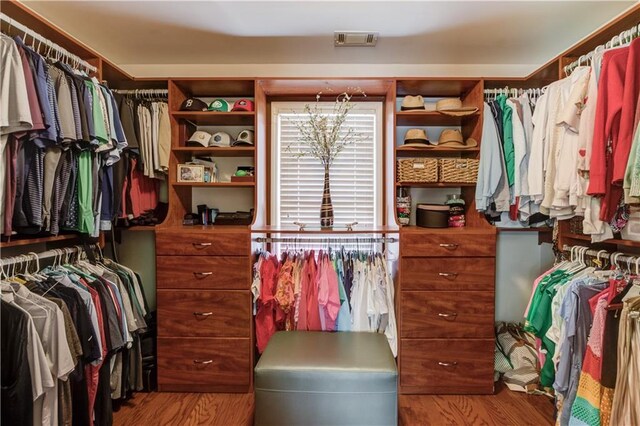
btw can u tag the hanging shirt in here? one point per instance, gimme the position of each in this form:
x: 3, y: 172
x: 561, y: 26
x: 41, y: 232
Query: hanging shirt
x: 507, y: 128
x: 606, y: 130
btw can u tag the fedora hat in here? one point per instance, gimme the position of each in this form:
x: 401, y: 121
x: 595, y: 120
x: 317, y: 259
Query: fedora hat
x: 453, y: 106
x: 416, y: 138
x: 410, y: 103
x: 453, y: 138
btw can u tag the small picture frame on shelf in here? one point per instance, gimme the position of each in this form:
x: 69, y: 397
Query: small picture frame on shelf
x: 190, y: 173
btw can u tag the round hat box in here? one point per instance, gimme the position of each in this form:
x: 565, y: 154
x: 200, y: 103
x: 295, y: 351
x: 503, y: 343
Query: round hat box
x: 432, y: 215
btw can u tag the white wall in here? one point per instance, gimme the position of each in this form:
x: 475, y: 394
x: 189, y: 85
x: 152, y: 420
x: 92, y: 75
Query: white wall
x: 138, y: 252
x: 520, y: 260
x: 328, y: 70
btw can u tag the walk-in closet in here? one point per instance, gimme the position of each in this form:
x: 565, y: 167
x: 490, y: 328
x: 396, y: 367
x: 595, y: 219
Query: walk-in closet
x: 320, y: 213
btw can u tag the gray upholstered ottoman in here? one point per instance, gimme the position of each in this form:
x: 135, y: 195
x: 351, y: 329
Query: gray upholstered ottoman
x: 321, y: 378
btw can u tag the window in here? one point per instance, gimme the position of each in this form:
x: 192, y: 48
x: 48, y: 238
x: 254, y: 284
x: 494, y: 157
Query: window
x: 356, y: 175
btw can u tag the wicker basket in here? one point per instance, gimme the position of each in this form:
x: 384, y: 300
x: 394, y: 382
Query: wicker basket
x: 418, y: 170
x: 458, y: 170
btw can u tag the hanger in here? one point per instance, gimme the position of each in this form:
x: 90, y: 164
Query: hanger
x: 635, y: 290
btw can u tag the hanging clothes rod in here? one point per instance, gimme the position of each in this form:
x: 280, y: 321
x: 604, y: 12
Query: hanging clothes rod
x: 514, y: 92
x: 616, y: 257
x: 382, y: 240
x: 621, y: 39
x: 76, y: 60
x: 141, y: 92
x: 29, y: 257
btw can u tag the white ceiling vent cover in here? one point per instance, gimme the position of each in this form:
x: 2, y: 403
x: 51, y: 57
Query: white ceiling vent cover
x: 355, y: 38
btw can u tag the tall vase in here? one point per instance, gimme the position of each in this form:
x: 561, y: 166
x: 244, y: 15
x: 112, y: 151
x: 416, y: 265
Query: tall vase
x: 326, y: 210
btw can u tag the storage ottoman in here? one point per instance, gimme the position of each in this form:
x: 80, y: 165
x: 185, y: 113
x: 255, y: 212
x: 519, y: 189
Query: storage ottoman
x: 323, y: 378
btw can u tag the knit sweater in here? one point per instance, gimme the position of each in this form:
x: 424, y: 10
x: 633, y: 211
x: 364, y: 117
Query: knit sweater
x: 628, y: 112
x: 607, y: 130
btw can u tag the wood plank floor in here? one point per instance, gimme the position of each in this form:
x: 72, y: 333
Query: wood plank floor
x: 503, y: 408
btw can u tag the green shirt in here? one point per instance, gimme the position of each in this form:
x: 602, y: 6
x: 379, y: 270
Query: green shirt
x: 507, y: 130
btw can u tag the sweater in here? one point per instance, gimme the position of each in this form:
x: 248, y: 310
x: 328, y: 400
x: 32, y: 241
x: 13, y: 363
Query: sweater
x: 606, y: 130
x: 628, y: 112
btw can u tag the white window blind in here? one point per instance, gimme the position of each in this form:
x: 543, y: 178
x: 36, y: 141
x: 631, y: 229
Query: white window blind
x: 297, y: 182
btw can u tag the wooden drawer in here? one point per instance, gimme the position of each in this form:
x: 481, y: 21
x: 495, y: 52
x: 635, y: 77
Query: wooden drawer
x: 476, y: 273
x: 446, y: 366
x: 213, y: 365
x: 448, y: 244
x: 203, y: 272
x: 445, y: 314
x: 203, y: 243
x: 185, y: 313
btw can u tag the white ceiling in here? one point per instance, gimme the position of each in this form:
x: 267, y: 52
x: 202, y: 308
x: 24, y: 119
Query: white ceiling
x: 301, y: 32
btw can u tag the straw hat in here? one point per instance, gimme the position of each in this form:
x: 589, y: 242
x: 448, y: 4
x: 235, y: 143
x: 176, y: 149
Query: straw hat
x: 453, y: 138
x: 416, y: 138
x: 410, y: 103
x: 453, y: 106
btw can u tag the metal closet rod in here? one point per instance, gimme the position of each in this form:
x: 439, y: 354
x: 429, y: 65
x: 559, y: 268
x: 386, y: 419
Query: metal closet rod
x: 141, y: 92
x: 618, y: 40
x: 28, y: 257
x: 617, y: 257
x: 326, y: 240
x: 48, y: 43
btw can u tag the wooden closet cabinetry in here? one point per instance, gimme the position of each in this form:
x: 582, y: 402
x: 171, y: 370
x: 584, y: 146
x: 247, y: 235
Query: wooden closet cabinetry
x: 204, y: 310
x: 446, y: 306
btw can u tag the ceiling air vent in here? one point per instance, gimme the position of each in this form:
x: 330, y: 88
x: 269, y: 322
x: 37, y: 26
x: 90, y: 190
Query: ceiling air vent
x: 355, y: 38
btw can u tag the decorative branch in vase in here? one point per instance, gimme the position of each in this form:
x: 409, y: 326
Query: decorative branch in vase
x: 324, y: 136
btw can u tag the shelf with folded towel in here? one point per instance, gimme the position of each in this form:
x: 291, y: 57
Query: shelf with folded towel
x: 432, y: 118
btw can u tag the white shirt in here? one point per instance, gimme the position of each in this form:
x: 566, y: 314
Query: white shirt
x: 566, y: 179
x: 538, y: 148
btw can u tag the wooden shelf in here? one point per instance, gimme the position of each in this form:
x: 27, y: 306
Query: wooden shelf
x: 216, y: 87
x: 436, y: 87
x: 409, y: 151
x: 463, y: 230
x: 38, y: 240
x: 217, y: 184
x: 615, y: 241
x: 203, y: 228
x: 336, y: 230
x: 431, y: 118
x: 234, y: 151
x: 433, y: 185
x: 213, y: 118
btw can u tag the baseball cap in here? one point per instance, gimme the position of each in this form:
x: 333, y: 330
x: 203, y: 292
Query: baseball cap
x: 220, y: 139
x: 243, y: 105
x: 245, y: 137
x: 199, y: 138
x: 193, y: 104
x: 219, y: 105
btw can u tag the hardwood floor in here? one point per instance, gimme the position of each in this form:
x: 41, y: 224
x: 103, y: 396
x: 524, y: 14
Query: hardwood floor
x: 503, y: 408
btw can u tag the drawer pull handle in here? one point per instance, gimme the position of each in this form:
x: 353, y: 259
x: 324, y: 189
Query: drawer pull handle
x: 449, y: 246
x: 203, y: 314
x: 451, y: 315
x: 201, y: 245
x: 447, y: 364
x: 202, y: 274
x: 203, y: 362
x: 448, y: 274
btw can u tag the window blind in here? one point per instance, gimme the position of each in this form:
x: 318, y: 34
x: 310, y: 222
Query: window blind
x: 355, y: 174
